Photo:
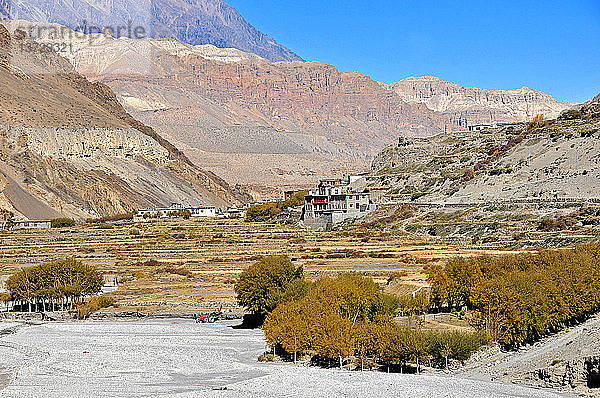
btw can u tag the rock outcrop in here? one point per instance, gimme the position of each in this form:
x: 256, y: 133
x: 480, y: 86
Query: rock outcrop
x: 68, y: 147
x: 468, y: 106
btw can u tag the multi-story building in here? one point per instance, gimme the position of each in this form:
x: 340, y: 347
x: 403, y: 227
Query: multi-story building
x: 332, y: 202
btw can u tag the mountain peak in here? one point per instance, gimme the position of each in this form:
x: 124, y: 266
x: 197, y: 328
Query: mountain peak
x: 195, y: 22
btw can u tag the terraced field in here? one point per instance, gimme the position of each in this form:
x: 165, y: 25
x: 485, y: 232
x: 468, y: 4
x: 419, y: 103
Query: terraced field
x: 197, y: 262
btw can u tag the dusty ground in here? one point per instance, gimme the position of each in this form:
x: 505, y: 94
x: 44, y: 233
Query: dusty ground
x: 184, y: 359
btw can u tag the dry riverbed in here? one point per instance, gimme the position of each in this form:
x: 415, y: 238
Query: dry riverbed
x: 184, y: 359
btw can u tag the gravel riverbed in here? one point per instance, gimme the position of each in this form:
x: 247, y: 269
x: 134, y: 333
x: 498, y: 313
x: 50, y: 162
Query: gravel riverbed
x: 166, y: 358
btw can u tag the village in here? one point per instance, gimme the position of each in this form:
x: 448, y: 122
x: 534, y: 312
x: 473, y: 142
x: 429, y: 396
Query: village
x: 331, y: 202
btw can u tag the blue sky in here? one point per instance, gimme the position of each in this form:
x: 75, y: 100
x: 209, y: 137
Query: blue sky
x: 552, y: 46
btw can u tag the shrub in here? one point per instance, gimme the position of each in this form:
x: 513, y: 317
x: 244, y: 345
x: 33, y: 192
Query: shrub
x: 95, y: 304
x: 178, y: 271
x: 571, y: 114
x: 266, y: 357
x: 262, y: 212
x: 62, y: 223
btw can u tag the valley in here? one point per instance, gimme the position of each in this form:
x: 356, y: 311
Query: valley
x: 189, y: 207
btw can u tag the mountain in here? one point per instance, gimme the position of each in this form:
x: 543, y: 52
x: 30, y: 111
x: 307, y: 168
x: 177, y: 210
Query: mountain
x: 550, y: 160
x: 194, y: 22
x: 467, y: 106
x: 589, y: 109
x: 251, y: 121
x: 67, y: 146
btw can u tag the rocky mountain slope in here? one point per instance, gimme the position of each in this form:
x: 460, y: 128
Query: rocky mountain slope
x: 551, y: 160
x: 190, y: 21
x: 568, y: 362
x: 247, y: 119
x: 467, y: 106
x: 68, y: 147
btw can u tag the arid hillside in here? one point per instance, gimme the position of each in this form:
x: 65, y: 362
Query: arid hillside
x: 547, y: 160
x: 268, y: 125
x: 68, y: 147
x: 249, y: 120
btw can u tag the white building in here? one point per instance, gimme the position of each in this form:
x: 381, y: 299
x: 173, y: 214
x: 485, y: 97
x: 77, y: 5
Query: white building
x: 235, y: 212
x: 481, y: 127
x: 176, y: 210
x: 203, y: 212
x: 32, y: 225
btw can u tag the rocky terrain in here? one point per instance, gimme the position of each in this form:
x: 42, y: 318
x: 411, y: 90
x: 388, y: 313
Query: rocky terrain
x: 468, y: 106
x: 270, y: 126
x: 68, y: 147
x: 190, y: 21
x: 568, y: 361
x: 247, y: 119
x: 553, y: 160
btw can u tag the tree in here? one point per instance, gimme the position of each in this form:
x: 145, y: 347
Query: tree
x: 6, y: 298
x: 67, y: 280
x: 62, y: 223
x: 539, y: 120
x: 261, y: 287
x: 287, y: 326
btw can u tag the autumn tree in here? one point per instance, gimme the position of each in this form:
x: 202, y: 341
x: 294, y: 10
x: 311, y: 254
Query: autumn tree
x: 262, y: 286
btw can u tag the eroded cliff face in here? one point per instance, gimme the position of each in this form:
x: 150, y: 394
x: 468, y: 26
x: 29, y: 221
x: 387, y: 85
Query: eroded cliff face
x: 69, y: 148
x: 250, y: 120
x: 469, y: 105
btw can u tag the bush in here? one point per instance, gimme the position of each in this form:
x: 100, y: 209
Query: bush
x: 263, y: 212
x: 178, y: 271
x: 271, y: 210
x: 571, y: 114
x: 62, y: 223
x: 266, y: 357
x: 95, y: 304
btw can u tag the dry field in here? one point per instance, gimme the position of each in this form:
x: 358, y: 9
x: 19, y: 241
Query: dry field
x: 199, y: 261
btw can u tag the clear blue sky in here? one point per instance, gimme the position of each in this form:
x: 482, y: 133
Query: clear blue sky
x: 552, y: 46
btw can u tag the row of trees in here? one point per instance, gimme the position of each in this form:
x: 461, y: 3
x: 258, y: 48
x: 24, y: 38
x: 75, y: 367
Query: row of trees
x: 269, y: 210
x: 60, y: 284
x: 346, y: 319
x: 520, y: 298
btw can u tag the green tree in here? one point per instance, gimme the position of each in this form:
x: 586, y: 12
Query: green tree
x: 262, y: 286
x: 62, y: 223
